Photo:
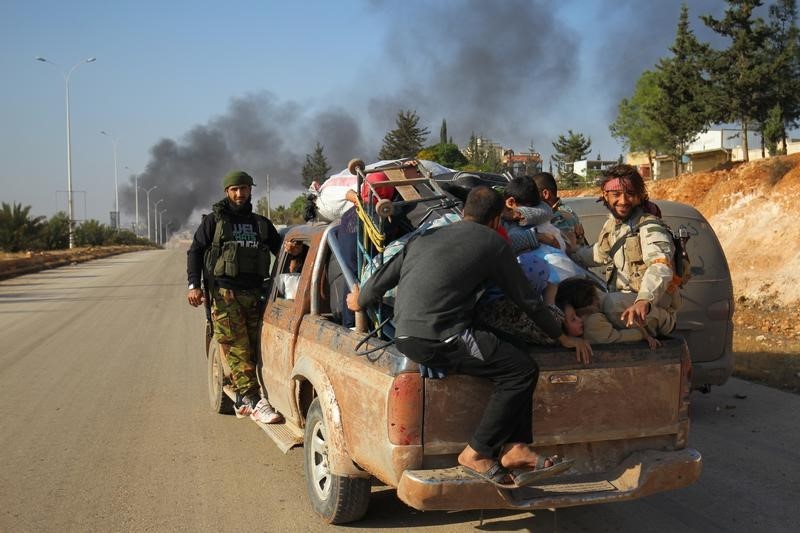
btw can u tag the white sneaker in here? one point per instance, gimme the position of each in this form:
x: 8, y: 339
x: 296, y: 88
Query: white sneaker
x: 264, y: 413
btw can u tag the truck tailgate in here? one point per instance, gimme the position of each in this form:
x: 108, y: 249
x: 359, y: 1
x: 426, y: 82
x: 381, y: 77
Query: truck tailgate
x: 629, y: 394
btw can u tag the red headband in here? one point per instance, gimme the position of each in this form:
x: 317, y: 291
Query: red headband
x: 619, y: 184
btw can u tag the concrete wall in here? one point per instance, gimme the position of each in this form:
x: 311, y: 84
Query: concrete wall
x: 706, y: 161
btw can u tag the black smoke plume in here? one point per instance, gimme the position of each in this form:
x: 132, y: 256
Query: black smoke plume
x: 516, y: 71
x: 258, y: 134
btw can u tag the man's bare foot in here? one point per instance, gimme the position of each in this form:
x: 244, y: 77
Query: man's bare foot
x: 472, y: 459
x: 520, y: 455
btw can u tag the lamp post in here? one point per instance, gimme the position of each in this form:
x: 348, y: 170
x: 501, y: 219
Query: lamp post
x: 166, y: 231
x: 69, y: 145
x: 155, y: 219
x: 161, y: 236
x: 147, y: 192
x: 114, y: 141
x: 135, y: 201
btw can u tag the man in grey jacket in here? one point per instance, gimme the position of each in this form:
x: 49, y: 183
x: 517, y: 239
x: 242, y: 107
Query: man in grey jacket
x: 439, y: 276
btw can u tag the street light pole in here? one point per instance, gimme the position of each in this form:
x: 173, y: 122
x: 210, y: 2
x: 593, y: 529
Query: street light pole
x: 136, y: 196
x: 114, y: 140
x: 161, y: 236
x: 69, y: 145
x: 147, y: 192
x: 136, y: 201
x: 155, y: 218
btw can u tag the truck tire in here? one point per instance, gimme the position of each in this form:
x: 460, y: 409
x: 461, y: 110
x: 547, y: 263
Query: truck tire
x: 218, y: 400
x: 337, y: 499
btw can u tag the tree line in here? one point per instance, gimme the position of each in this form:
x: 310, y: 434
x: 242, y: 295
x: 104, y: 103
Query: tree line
x: 21, y: 231
x: 754, y: 82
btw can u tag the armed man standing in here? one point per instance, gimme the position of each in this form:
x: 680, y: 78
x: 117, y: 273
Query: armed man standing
x: 231, y: 250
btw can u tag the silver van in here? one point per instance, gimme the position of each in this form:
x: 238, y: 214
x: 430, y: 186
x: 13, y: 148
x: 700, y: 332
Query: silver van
x: 706, y: 318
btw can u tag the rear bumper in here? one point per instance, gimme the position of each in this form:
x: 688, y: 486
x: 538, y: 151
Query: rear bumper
x: 641, y: 474
x: 714, y: 372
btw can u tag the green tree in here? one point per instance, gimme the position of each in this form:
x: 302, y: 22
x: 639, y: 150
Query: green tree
x: 783, y: 49
x: 443, y: 132
x: 493, y: 162
x: 316, y: 167
x: 570, y: 148
x: 475, y: 155
x: 634, y: 126
x: 446, y: 154
x: 481, y: 156
x: 56, y: 232
x: 681, y: 108
x: 122, y: 236
x: 93, y: 233
x: 296, y: 210
x: 279, y: 215
x: 406, y: 139
x: 773, y: 130
x: 18, y: 230
x: 740, y: 73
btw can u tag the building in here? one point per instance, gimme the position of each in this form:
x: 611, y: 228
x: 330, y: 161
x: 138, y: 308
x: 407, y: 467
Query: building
x: 708, y: 151
x: 485, y: 147
x: 590, y: 167
x: 522, y: 164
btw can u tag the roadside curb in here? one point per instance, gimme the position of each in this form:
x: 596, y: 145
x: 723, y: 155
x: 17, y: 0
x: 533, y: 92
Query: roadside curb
x: 11, y: 268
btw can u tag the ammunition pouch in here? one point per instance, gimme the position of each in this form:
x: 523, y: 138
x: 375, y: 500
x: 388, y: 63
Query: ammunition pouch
x: 226, y: 265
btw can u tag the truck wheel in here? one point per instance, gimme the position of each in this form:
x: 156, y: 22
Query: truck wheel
x: 218, y: 400
x: 337, y: 499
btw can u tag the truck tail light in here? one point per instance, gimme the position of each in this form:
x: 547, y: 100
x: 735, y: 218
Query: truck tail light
x: 405, y: 410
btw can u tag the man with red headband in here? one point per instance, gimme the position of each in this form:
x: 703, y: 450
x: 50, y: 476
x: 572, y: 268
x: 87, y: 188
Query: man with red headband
x: 637, y: 256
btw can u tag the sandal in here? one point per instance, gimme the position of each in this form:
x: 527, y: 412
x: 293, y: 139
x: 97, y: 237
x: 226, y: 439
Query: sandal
x: 527, y: 476
x: 497, y: 475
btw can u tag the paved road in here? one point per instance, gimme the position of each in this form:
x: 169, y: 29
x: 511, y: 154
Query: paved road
x: 104, y: 427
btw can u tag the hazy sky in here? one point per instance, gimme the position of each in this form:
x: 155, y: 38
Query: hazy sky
x: 194, y: 88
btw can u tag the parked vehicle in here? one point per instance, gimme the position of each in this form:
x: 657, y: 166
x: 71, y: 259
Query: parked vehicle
x: 706, y: 317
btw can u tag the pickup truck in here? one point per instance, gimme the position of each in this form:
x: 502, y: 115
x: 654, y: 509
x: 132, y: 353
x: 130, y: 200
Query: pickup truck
x: 360, y: 417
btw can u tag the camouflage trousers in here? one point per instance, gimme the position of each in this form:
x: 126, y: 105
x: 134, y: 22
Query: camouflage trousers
x: 236, y: 316
x: 504, y: 317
